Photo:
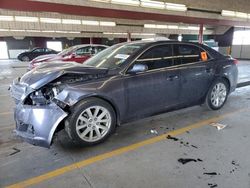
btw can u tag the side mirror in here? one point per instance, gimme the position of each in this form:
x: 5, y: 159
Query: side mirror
x: 138, y: 68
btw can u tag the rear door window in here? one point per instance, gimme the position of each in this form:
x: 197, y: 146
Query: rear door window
x: 157, y: 57
x: 186, y: 53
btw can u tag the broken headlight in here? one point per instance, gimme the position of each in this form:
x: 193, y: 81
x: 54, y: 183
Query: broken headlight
x: 43, y: 96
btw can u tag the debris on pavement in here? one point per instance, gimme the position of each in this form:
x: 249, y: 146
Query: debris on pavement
x: 236, y: 166
x: 219, y: 126
x: 235, y: 163
x: 172, y: 138
x: 184, y: 143
x: 15, y: 152
x: 153, y: 131
x: 187, y: 144
x: 184, y: 161
x: 211, y: 185
x: 194, y: 146
x: 210, y: 173
x: 187, y: 160
x: 231, y: 171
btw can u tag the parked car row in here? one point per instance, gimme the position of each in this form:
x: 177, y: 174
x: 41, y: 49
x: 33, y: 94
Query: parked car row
x: 122, y: 83
x: 32, y: 54
x: 78, y: 53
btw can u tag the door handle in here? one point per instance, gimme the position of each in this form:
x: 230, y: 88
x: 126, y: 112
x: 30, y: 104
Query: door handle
x: 172, y: 77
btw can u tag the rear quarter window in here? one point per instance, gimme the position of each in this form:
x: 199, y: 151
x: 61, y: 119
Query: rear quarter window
x: 213, y: 53
x: 187, y: 53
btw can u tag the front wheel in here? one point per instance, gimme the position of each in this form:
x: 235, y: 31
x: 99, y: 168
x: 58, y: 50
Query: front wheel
x: 217, y: 94
x: 25, y: 58
x: 91, y: 122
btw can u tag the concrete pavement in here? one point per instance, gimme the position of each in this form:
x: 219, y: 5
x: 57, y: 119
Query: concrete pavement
x: 223, y: 154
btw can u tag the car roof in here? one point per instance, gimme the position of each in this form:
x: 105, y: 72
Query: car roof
x: 149, y: 43
x: 85, y: 45
x: 152, y: 42
x: 40, y: 48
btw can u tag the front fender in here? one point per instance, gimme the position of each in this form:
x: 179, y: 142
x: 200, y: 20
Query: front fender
x: 71, y: 96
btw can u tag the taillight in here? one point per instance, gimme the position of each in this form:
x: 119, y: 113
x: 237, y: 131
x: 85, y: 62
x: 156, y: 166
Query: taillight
x: 236, y: 61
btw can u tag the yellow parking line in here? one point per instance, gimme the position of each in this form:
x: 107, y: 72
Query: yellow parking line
x: 83, y: 163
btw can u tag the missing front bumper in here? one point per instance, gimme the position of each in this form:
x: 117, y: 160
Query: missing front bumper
x: 37, y: 124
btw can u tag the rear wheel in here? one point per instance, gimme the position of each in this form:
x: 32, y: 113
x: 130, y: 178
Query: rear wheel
x: 91, y: 122
x: 217, y: 94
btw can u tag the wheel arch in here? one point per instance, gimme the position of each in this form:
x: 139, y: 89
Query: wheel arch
x: 227, y: 80
x: 61, y: 125
x: 106, y: 99
x: 224, y: 77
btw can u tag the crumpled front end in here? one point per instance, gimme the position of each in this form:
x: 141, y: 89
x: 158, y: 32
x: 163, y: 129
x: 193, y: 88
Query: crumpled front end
x: 40, y: 101
x: 35, y: 123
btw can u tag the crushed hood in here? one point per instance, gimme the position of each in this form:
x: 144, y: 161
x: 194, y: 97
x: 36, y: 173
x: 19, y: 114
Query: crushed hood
x: 45, y: 74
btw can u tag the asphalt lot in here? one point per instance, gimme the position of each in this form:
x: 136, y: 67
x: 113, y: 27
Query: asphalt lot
x: 139, y: 154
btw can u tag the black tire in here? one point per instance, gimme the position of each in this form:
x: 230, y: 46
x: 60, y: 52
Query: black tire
x: 209, y: 101
x: 72, y: 121
x: 25, y: 58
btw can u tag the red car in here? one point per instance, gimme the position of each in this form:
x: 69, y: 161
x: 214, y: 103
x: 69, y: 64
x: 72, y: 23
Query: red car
x: 79, y: 54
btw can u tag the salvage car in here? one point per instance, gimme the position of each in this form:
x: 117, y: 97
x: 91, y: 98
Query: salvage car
x: 125, y: 82
x: 32, y: 54
x: 78, y: 53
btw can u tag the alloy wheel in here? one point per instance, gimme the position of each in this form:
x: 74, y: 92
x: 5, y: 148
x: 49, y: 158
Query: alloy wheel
x: 93, y: 123
x: 218, y: 94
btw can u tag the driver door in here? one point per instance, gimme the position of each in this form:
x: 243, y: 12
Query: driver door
x: 156, y: 89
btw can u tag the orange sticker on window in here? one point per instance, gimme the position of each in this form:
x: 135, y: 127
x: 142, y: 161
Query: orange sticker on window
x: 204, y: 56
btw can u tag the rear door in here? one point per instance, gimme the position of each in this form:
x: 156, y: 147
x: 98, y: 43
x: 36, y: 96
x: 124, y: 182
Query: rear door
x: 196, y: 71
x: 156, y: 89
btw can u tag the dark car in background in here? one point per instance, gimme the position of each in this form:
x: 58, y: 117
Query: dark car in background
x: 125, y: 82
x: 78, y: 53
x: 32, y: 54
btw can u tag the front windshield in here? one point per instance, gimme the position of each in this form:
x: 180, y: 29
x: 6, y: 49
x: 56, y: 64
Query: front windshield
x: 113, y: 57
x: 33, y: 49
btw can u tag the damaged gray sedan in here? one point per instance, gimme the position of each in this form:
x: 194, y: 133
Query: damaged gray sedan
x: 125, y: 82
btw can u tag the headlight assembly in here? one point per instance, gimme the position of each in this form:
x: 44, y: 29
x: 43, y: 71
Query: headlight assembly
x: 38, y: 98
x: 43, y: 96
